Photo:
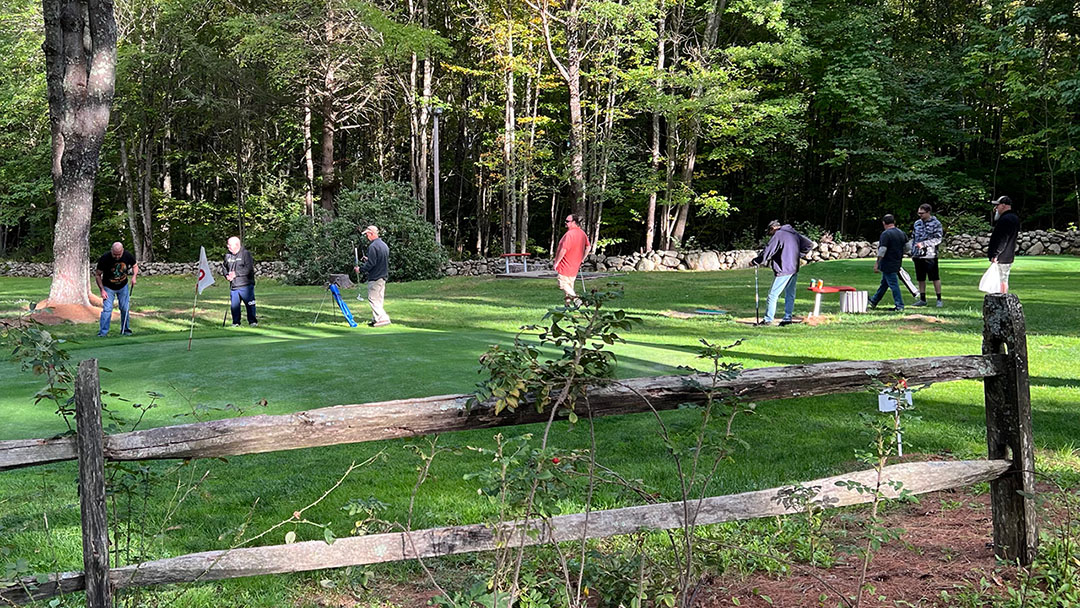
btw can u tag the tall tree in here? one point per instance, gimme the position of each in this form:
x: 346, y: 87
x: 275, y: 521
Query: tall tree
x: 80, y: 63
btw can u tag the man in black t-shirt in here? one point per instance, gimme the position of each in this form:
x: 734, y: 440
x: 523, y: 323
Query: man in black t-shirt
x: 1002, y: 247
x: 889, y: 259
x: 239, y: 270
x: 112, y: 273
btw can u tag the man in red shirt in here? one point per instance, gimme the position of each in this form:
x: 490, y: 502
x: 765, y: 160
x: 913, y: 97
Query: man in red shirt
x: 569, y: 254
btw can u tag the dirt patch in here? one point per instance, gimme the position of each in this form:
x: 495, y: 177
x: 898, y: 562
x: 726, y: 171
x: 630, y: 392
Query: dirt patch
x: 945, y: 546
x: 69, y: 313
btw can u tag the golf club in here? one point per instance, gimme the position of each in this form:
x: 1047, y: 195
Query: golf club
x: 125, y: 318
x: 226, y: 317
x: 757, y: 300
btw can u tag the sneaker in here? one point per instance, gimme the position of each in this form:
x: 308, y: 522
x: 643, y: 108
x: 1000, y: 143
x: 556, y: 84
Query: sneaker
x: 380, y: 323
x: 896, y: 309
x: 872, y: 303
x: 940, y: 304
x: 103, y: 335
x: 127, y: 333
x: 919, y: 303
x: 786, y: 322
x: 253, y: 324
x: 763, y: 324
x: 236, y: 325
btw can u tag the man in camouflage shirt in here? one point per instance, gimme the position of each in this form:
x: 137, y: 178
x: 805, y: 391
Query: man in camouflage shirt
x: 925, y: 239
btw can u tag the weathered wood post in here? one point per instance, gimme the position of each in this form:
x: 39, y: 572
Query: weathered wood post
x: 95, y: 527
x: 1008, y: 430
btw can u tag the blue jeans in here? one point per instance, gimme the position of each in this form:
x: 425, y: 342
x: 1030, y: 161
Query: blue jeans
x: 889, y: 280
x: 787, y: 285
x: 247, y: 294
x: 122, y: 300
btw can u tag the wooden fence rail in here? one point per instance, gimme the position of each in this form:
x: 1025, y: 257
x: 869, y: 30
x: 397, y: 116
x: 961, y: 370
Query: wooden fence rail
x: 1003, y: 366
x: 917, y: 478
x: 429, y: 415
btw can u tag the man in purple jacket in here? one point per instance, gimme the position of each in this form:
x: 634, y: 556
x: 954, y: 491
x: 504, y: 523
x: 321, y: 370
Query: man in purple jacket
x: 782, y: 254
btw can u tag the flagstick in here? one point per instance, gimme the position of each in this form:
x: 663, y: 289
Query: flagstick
x: 193, y: 304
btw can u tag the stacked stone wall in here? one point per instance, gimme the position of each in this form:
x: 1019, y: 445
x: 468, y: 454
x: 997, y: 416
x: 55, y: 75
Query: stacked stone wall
x: 1034, y: 242
x: 270, y: 270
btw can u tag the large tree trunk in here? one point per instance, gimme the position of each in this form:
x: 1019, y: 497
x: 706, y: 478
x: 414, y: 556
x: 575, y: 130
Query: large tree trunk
x: 650, y: 212
x: 80, y: 61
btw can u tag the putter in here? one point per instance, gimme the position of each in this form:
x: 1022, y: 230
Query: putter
x: 757, y: 300
x: 226, y: 317
x: 125, y: 320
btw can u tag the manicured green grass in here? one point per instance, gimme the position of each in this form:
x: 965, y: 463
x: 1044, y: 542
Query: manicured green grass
x: 440, y: 328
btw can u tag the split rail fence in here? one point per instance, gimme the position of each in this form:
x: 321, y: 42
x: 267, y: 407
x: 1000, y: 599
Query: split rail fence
x: 1003, y: 367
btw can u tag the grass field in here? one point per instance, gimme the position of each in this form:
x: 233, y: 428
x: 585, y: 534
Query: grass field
x: 440, y: 328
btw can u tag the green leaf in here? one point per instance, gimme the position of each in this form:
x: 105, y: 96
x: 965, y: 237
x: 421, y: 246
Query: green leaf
x: 290, y: 537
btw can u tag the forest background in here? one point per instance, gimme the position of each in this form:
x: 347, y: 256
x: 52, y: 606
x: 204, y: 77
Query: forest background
x: 663, y: 122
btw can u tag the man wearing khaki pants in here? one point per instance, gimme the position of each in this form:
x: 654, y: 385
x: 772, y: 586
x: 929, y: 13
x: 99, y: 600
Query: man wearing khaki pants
x: 376, y: 267
x: 568, y: 257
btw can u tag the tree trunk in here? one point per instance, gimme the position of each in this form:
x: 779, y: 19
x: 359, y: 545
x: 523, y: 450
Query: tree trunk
x: 146, y: 194
x: 571, y: 73
x: 309, y: 160
x: 533, y: 90
x: 80, y: 60
x: 326, y: 169
x: 509, y: 214
x: 129, y: 198
x: 712, y: 30
x: 650, y: 212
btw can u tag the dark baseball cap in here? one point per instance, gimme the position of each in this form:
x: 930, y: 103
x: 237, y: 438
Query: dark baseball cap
x: 1001, y: 200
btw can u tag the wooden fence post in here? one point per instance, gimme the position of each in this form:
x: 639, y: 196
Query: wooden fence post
x: 95, y: 527
x: 1008, y: 430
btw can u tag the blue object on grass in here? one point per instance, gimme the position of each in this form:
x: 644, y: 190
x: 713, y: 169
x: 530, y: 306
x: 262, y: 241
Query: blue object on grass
x: 342, y: 305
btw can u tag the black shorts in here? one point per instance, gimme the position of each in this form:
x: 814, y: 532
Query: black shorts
x: 926, y: 268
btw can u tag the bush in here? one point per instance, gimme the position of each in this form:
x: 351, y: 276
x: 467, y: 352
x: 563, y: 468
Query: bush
x: 315, y: 249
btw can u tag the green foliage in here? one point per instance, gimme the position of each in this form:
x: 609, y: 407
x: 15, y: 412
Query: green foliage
x: 315, y: 249
x: 522, y: 374
x: 37, y: 350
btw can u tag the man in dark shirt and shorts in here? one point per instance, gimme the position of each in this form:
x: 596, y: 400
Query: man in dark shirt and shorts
x: 239, y: 270
x: 889, y: 259
x: 1002, y: 247
x: 112, y: 273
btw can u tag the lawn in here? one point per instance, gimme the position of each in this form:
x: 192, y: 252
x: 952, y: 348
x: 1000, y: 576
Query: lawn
x: 440, y: 329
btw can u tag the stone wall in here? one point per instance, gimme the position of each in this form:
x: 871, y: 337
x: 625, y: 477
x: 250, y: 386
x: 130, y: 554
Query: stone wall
x: 270, y: 270
x: 1035, y: 242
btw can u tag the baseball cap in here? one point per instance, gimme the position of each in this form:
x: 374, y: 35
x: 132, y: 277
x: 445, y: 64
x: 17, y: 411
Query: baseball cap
x: 1001, y: 200
x: 774, y: 224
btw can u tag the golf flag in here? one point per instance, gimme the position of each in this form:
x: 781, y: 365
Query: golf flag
x: 206, y: 278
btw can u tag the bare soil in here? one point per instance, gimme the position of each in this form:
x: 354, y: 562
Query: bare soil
x: 946, y: 545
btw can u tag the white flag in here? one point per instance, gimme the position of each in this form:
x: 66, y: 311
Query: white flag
x: 206, y: 278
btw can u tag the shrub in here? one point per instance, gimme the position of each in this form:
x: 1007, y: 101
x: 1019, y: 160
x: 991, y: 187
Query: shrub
x: 315, y: 249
